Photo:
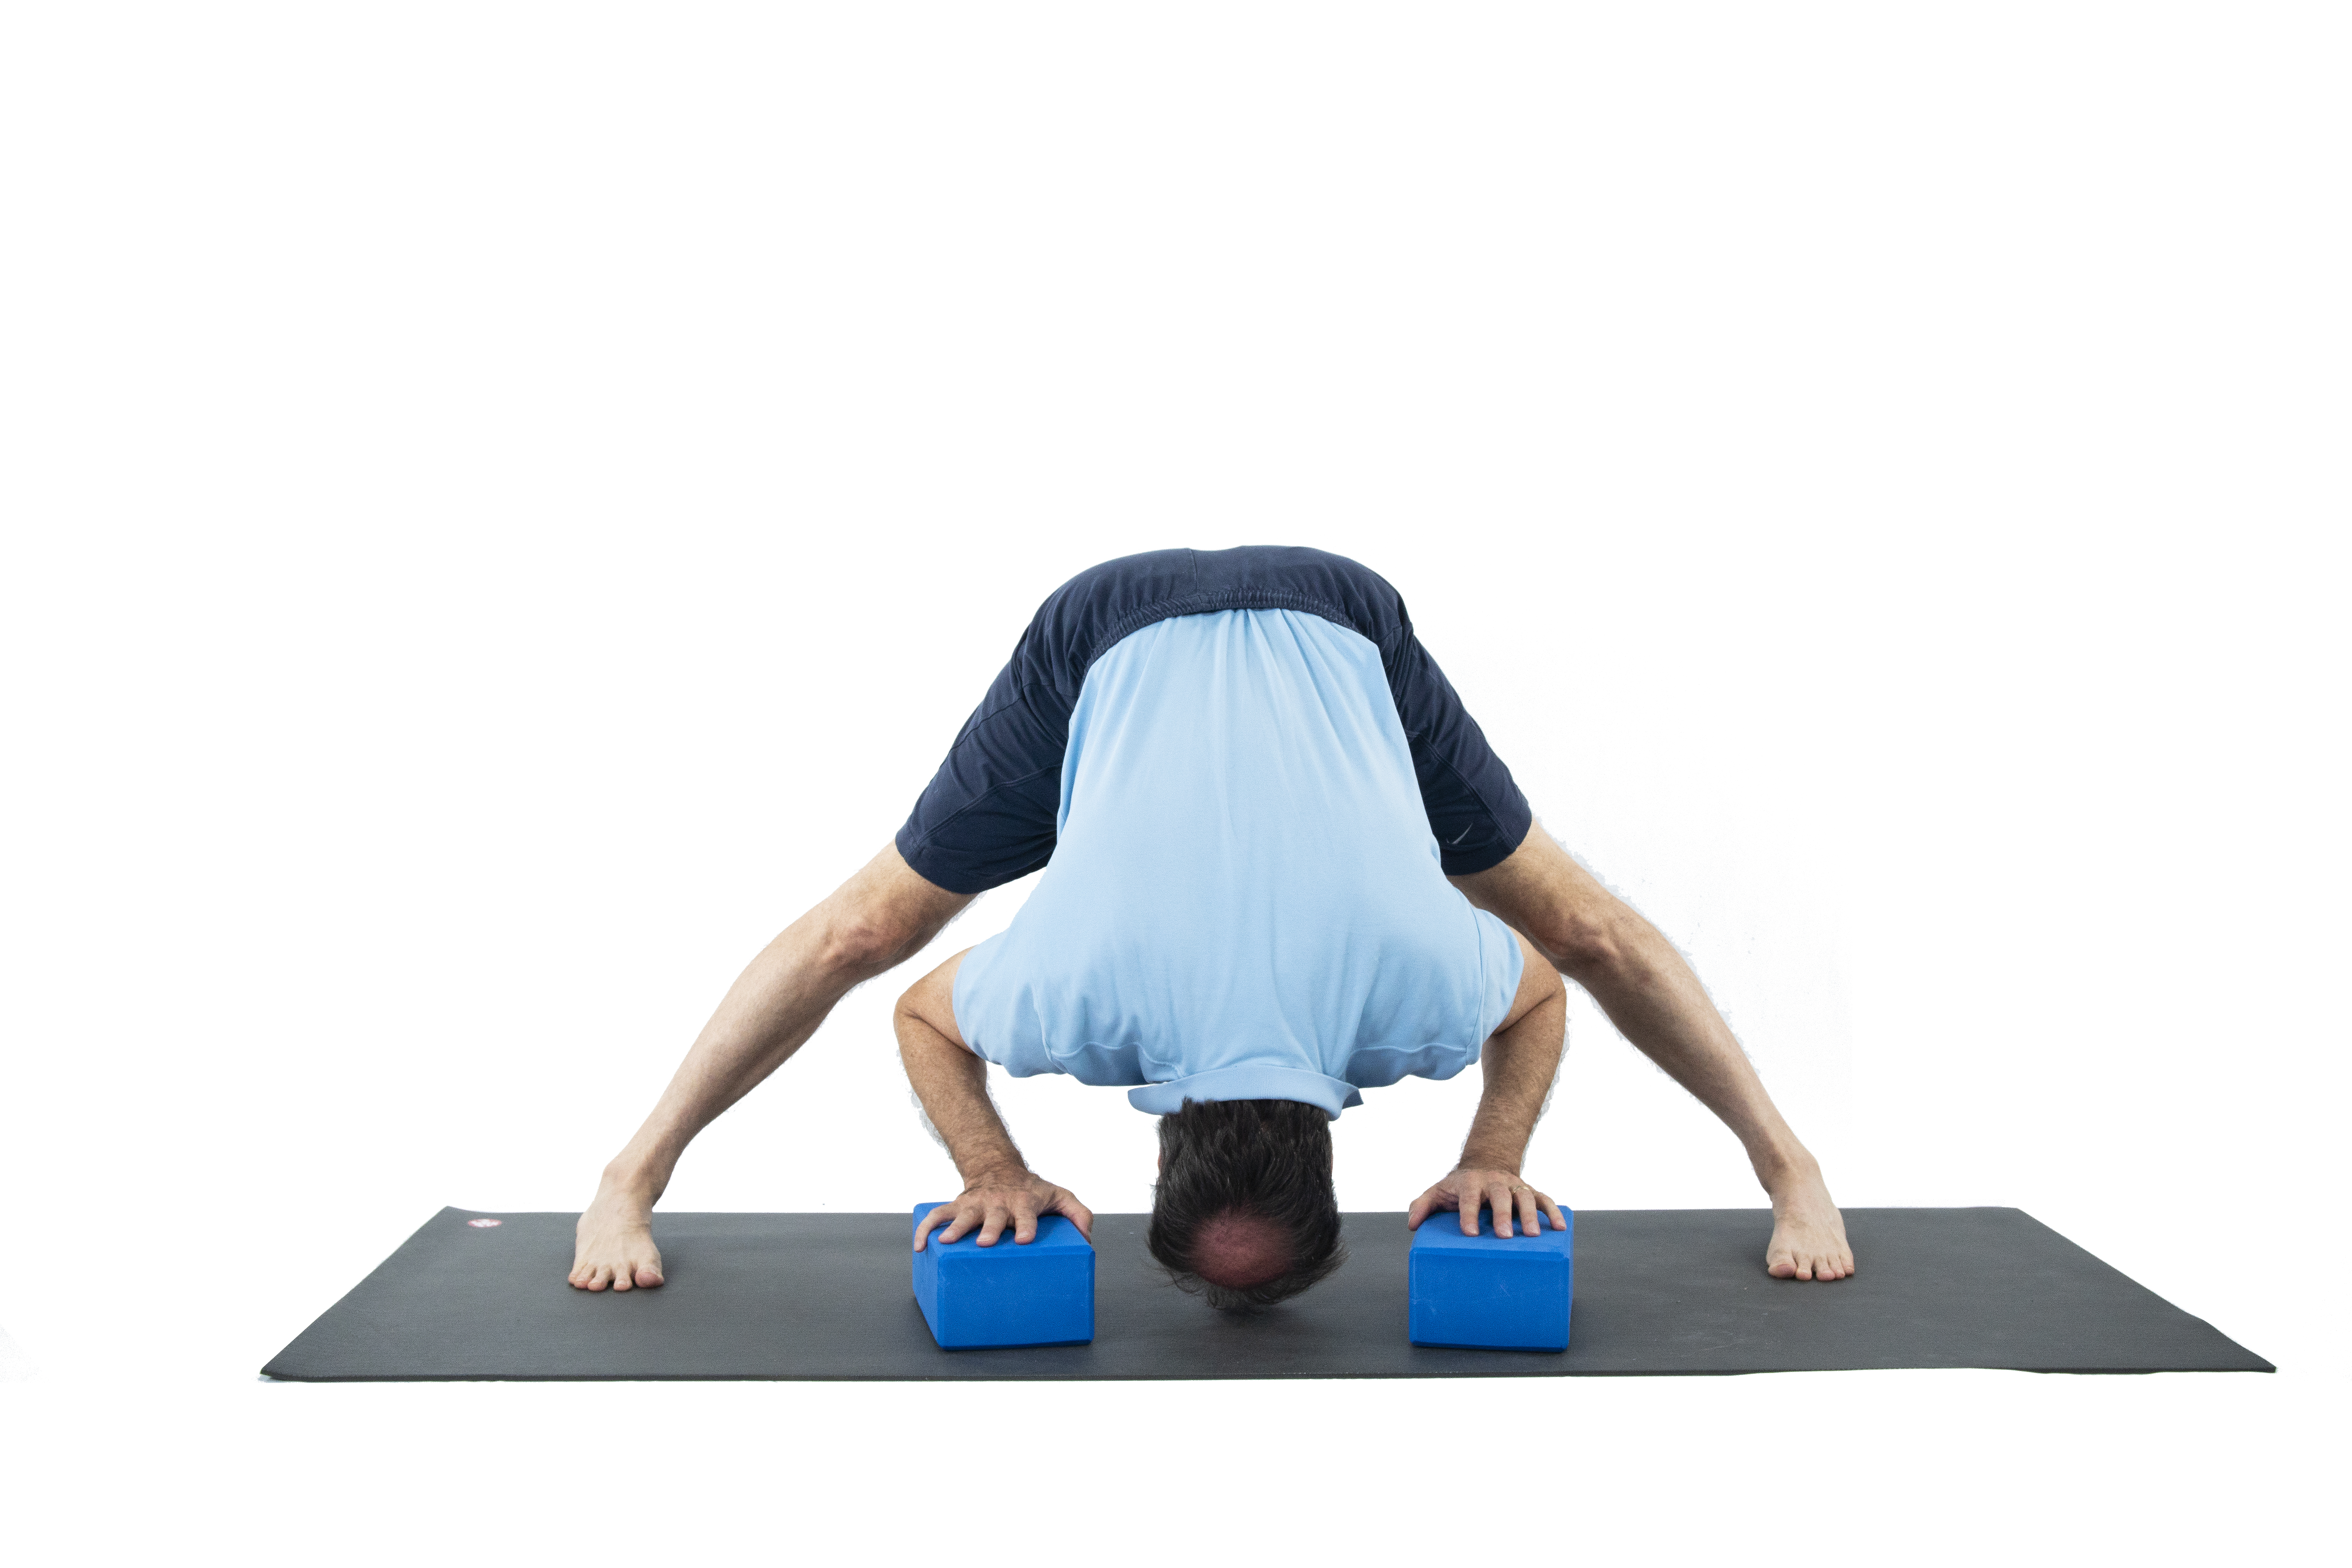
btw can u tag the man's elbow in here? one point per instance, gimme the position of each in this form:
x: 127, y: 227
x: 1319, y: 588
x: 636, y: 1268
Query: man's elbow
x: 912, y: 1015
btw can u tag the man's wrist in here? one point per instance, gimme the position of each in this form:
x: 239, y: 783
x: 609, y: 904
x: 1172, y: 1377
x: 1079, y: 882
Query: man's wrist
x: 996, y: 1168
x: 1476, y: 1157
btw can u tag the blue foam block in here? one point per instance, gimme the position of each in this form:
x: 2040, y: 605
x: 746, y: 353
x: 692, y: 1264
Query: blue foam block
x: 1491, y: 1292
x: 1041, y: 1292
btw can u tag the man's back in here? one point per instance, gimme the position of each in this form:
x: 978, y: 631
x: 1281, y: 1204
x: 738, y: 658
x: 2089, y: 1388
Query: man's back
x: 1246, y: 899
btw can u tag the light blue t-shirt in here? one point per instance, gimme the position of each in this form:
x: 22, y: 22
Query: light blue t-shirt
x: 1245, y: 901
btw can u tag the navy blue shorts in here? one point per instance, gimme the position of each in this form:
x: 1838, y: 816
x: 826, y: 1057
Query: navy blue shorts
x: 988, y: 814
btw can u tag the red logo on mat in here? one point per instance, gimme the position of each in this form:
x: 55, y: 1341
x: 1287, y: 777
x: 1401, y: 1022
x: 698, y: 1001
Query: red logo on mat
x: 486, y: 1224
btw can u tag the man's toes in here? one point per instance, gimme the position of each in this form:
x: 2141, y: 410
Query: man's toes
x: 1780, y: 1268
x: 648, y: 1278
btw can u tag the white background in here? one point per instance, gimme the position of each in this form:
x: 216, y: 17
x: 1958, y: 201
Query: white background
x: 505, y: 508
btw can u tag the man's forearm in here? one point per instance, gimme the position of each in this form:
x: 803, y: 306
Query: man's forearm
x: 1519, y: 1065
x: 953, y: 1084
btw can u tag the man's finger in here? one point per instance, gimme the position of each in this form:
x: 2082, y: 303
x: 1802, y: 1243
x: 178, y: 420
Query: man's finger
x: 940, y: 1219
x: 1498, y: 1198
x: 1423, y: 1207
x: 1066, y: 1203
x: 1552, y: 1209
x: 993, y: 1226
x: 1467, y: 1206
x: 966, y: 1216
x: 1024, y: 1221
x: 1530, y: 1220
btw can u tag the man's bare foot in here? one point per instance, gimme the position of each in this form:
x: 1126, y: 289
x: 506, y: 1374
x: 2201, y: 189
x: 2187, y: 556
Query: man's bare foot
x: 1808, y: 1233
x: 614, y: 1249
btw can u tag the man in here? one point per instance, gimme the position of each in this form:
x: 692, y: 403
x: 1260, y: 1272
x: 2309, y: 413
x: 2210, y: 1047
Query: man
x: 1282, y: 867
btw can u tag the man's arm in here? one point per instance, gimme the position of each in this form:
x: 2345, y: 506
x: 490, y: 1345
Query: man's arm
x: 1519, y: 1064
x: 1655, y: 1001
x: 952, y: 1083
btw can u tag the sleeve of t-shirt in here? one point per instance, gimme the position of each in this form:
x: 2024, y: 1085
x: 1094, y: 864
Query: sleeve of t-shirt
x: 990, y: 1025
x: 1501, y: 963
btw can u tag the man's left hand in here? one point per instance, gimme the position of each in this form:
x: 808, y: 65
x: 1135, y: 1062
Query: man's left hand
x: 1467, y: 1187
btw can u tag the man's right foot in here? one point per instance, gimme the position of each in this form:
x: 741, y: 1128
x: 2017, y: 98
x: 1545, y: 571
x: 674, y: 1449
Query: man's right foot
x: 614, y: 1250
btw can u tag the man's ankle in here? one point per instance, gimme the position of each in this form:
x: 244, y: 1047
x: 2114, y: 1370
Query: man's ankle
x: 1782, y: 1170
x: 633, y: 1182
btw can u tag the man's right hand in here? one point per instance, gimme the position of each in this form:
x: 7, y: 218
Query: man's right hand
x: 997, y: 1199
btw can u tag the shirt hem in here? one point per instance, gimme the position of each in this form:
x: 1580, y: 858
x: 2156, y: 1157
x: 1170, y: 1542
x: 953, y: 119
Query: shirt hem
x: 1247, y: 1082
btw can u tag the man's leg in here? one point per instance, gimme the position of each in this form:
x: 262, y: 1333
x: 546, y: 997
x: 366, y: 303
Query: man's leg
x: 1655, y: 1001
x: 879, y: 918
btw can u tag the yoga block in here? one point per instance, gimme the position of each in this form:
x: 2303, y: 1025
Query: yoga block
x: 987, y: 1298
x: 1491, y: 1292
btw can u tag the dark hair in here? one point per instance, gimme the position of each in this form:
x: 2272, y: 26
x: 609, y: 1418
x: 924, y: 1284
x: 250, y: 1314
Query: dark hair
x: 1268, y: 1160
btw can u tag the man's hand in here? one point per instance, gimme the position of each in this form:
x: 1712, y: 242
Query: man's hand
x: 997, y: 1198
x: 1468, y: 1186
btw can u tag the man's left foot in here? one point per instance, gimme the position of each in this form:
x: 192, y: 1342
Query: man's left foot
x: 1808, y: 1233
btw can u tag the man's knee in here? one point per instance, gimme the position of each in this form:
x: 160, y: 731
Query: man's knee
x: 1585, y: 931
x: 867, y: 942
x: 882, y: 917
x: 1586, y: 939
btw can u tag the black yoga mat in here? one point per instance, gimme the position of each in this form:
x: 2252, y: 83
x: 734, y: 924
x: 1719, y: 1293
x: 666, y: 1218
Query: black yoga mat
x: 1657, y: 1290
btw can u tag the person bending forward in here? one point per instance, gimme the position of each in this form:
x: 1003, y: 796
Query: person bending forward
x: 1282, y: 865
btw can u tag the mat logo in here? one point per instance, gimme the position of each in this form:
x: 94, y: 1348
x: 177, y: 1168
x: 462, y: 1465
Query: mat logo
x: 486, y: 1224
